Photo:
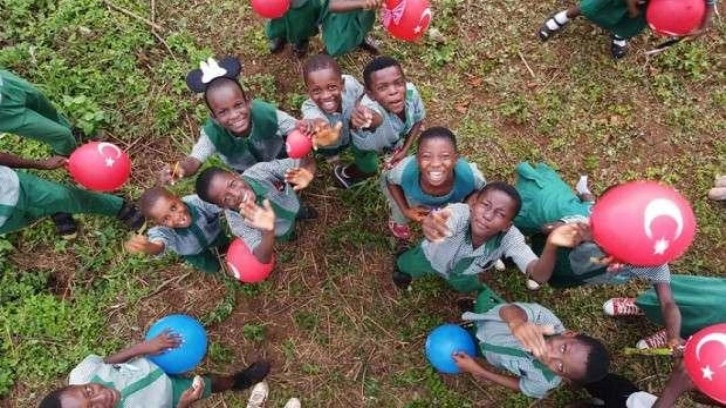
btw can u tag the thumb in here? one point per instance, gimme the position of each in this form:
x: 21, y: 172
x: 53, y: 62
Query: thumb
x: 338, y: 126
x: 547, y: 329
x: 266, y: 204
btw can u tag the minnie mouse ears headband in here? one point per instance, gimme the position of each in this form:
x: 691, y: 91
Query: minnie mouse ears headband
x: 209, y: 70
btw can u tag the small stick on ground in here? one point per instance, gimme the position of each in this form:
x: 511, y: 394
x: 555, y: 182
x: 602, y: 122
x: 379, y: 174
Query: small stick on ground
x: 134, y: 15
x: 526, y: 64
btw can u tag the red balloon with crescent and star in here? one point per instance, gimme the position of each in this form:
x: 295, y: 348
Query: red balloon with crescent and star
x: 271, y: 8
x: 407, y: 20
x: 705, y: 359
x: 100, y: 166
x: 643, y: 223
x: 243, y: 264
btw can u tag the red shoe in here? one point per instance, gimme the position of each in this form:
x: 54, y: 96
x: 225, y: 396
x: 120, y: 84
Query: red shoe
x: 621, y: 307
x: 400, y: 231
x: 656, y: 340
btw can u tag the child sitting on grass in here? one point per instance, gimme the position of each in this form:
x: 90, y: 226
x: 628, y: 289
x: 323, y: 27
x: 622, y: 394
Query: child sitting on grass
x: 512, y: 337
x: 188, y: 227
x: 128, y: 379
x: 346, y: 24
x: 433, y: 178
x: 259, y: 205
x: 464, y: 240
x: 296, y: 26
x: 241, y: 131
x: 386, y: 121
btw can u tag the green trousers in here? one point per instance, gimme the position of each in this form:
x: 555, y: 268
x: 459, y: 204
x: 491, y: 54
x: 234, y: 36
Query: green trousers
x: 297, y: 25
x: 344, y: 32
x: 207, y: 261
x: 612, y: 15
x: 40, y: 198
x: 26, y: 112
x: 414, y: 263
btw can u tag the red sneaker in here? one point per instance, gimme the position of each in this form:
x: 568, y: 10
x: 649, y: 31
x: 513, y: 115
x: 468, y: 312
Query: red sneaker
x: 657, y: 340
x: 621, y: 307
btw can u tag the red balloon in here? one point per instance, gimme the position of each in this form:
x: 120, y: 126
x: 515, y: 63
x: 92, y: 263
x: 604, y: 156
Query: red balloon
x: 297, y: 144
x: 407, y: 19
x: 675, y: 17
x: 243, y: 264
x: 271, y: 8
x: 643, y: 223
x: 705, y: 359
x: 100, y: 166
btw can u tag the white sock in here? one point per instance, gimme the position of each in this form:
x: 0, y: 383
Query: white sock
x: 620, y: 42
x: 560, y: 18
x: 581, y: 186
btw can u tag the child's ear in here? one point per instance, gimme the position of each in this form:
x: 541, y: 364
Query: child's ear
x: 569, y: 333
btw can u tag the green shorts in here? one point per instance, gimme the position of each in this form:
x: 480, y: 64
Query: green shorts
x: 181, y: 384
x: 612, y: 15
x: 414, y: 264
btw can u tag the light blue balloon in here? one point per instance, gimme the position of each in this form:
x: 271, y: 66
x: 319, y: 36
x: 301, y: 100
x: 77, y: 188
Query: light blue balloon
x: 191, y: 350
x: 443, y: 341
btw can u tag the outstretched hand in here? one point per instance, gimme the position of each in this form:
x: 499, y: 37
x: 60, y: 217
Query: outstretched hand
x: 464, y: 361
x: 417, y: 213
x: 361, y: 117
x: 261, y: 218
x: 299, y: 177
x: 170, y: 174
x: 570, y: 235
x: 326, y: 135
x: 434, y: 225
x: 164, y: 341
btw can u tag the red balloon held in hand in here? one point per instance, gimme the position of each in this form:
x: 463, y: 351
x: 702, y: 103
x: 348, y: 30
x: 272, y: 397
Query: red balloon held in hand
x: 643, y: 223
x: 675, y: 17
x: 271, y: 8
x: 407, y: 20
x: 298, y: 145
x: 100, y: 166
x: 705, y: 359
x: 243, y: 264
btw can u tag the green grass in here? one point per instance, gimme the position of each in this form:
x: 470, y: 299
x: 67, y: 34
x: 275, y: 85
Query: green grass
x: 329, y: 318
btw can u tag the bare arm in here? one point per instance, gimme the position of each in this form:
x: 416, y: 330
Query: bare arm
x: 341, y: 6
x: 141, y: 244
x: 17, y: 162
x: 471, y: 366
x: 567, y: 235
x: 670, y: 312
x: 678, y: 383
x: 264, y: 251
x: 165, y: 340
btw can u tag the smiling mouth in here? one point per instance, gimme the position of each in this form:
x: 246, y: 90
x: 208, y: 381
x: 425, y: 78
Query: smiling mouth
x: 436, y: 176
x: 330, y: 105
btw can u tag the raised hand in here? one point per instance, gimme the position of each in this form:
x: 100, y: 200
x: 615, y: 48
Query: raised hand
x: 164, y: 341
x: 326, y: 135
x: 434, y: 225
x: 299, y: 177
x: 361, y: 117
x: 261, y: 218
x: 570, y: 235
x: 138, y: 243
x: 532, y: 337
x: 171, y: 174
x: 417, y: 213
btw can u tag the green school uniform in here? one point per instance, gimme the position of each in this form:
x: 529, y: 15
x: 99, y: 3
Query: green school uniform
x: 298, y: 24
x: 699, y: 298
x: 26, y: 112
x: 612, y: 15
x: 26, y: 198
x: 344, y: 32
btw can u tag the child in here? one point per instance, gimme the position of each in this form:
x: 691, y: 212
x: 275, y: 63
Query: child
x: 512, y: 338
x: 188, y: 227
x: 548, y: 202
x: 346, y: 24
x: 624, y: 19
x: 434, y: 177
x: 464, y: 240
x: 258, y: 205
x: 128, y: 379
x: 242, y: 131
x: 387, y: 120
x: 25, y: 198
x: 295, y: 27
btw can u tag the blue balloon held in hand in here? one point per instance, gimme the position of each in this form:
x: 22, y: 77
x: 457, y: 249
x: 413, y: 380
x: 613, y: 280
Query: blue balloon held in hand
x: 192, y: 346
x: 443, y: 341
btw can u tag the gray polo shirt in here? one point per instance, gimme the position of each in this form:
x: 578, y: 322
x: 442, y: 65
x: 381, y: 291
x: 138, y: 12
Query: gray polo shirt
x: 183, y: 241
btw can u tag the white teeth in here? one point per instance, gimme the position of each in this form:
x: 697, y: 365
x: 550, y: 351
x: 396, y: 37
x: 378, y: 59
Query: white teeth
x: 436, y: 175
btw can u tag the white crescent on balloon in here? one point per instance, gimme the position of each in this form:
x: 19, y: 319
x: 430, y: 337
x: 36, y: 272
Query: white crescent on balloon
x: 234, y: 270
x: 717, y: 337
x: 657, y: 208
x: 425, y: 18
x: 109, y: 160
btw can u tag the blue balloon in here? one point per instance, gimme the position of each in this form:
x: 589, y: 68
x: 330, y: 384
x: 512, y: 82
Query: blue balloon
x: 191, y: 350
x: 443, y: 341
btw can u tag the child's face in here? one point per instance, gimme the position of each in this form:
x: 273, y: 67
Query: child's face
x: 325, y: 87
x: 567, y: 356
x: 388, y: 87
x: 436, y: 160
x: 492, y: 213
x: 170, y: 211
x: 229, y: 191
x: 90, y: 396
x: 230, y: 108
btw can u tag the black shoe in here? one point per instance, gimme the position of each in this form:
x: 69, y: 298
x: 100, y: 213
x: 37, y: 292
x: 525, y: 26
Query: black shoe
x: 251, y: 375
x: 65, y: 225
x: 300, y: 49
x: 130, y: 216
x: 369, y: 45
x: 401, y: 280
x: 306, y: 212
x: 465, y: 304
x: 276, y: 45
x: 616, y: 50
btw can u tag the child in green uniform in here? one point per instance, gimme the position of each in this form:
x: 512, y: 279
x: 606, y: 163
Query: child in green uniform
x: 386, y: 121
x: 464, y: 240
x: 295, y: 27
x: 25, y: 198
x: 259, y: 205
x: 346, y: 24
x: 185, y: 226
x: 433, y: 178
x: 127, y: 379
x: 241, y: 131
x: 512, y: 337
x: 623, y: 19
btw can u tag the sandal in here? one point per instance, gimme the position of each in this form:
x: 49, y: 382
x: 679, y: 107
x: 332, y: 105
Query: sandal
x: 545, y: 32
x: 400, y: 231
x: 618, y: 47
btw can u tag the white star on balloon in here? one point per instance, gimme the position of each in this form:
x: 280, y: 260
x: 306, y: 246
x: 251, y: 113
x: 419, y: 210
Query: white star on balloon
x: 660, y: 246
x: 417, y: 29
x: 707, y: 373
x: 110, y: 162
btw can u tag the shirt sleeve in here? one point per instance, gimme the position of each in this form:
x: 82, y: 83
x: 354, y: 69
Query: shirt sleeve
x: 541, y: 316
x: 459, y: 219
x: 241, y: 230
x: 311, y: 111
x: 84, y: 371
x: 203, y: 148
x: 419, y: 111
x: 395, y: 175
x: 653, y: 274
x: 479, y: 180
x: 285, y: 122
x: 514, y: 246
x: 534, y: 387
x: 203, y: 206
x: 165, y: 236
x: 272, y: 170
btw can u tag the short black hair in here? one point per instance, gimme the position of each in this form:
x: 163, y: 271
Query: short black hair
x: 53, y: 400
x: 319, y: 62
x: 507, y: 189
x: 204, y: 180
x: 598, y: 360
x: 150, y: 197
x: 437, y: 132
x: 219, y: 83
x: 378, y: 64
